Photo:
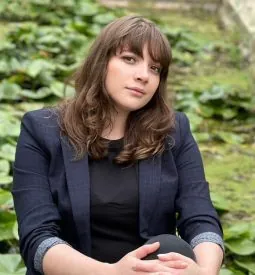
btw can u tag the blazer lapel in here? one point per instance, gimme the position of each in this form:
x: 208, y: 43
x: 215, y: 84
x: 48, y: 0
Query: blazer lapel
x: 149, y: 187
x: 77, y: 176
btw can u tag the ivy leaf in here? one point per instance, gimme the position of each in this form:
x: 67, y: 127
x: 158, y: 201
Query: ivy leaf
x: 61, y: 90
x: 104, y: 19
x: 37, y: 66
x: 11, y: 264
x: 206, y: 111
x: 39, y: 94
x: 26, y: 107
x: 242, y: 247
x: 4, y: 167
x: 225, y: 271
x: 87, y: 9
x: 220, y: 202
x: 6, y: 201
x: 7, y: 220
x: 237, y: 230
x: 229, y: 137
x: 5, y: 179
x: 9, y: 128
x: 15, y: 230
x: 247, y: 264
x: 7, y: 152
x: 229, y: 113
x: 9, y: 90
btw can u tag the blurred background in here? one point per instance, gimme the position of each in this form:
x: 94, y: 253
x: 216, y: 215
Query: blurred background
x: 212, y: 79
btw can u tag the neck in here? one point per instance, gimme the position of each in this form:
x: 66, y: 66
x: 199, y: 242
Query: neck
x: 117, y: 130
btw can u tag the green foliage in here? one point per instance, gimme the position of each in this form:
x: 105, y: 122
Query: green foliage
x: 11, y: 264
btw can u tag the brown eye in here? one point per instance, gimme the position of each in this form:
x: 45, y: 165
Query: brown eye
x: 129, y: 59
x: 156, y: 69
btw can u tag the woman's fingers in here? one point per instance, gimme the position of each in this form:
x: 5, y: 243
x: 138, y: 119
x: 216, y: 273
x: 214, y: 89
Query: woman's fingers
x: 174, y: 257
x: 151, y: 266
x: 176, y: 264
x: 144, y: 250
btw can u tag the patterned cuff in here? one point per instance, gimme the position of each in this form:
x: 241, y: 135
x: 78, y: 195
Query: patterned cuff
x: 42, y: 249
x: 207, y: 237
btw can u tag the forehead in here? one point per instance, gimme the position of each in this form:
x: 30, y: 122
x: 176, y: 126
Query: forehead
x: 135, y: 37
x: 150, y: 43
x: 143, y: 53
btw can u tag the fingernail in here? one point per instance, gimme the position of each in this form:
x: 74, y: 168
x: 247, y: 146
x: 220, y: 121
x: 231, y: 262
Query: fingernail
x: 161, y: 255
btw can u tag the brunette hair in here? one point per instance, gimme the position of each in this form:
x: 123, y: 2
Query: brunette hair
x: 83, y: 117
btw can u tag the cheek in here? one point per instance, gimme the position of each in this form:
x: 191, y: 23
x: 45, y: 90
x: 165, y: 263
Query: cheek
x: 155, y: 84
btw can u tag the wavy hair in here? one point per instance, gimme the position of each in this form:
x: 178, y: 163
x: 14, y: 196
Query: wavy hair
x: 84, y: 117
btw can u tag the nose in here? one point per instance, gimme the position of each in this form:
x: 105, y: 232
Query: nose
x: 142, y: 73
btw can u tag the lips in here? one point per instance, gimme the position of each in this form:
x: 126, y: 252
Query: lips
x: 136, y: 89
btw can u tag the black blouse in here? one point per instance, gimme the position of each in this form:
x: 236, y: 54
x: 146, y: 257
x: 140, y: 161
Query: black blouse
x: 114, y: 207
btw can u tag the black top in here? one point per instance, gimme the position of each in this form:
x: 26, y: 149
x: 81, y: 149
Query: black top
x: 114, y: 207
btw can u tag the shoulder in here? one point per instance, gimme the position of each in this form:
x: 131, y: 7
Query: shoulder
x: 181, y: 122
x: 180, y: 133
x: 42, y: 117
x: 181, y: 127
x: 41, y: 124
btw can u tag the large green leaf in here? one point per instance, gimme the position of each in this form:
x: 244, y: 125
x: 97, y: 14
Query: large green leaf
x: 247, y: 264
x: 219, y: 202
x: 225, y: 271
x: 238, y: 230
x: 9, y: 90
x: 229, y: 137
x: 39, y: 94
x: 61, y: 90
x: 4, y: 167
x: 104, y: 18
x: 26, y: 107
x: 7, y: 152
x: 15, y: 230
x: 242, y: 247
x: 5, y: 179
x: 7, y: 222
x: 11, y: 264
x: 9, y: 128
x: 38, y: 65
x: 87, y: 9
x: 6, y: 201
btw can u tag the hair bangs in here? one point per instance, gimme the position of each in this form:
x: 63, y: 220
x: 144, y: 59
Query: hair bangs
x: 159, y: 49
x: 146, y: 34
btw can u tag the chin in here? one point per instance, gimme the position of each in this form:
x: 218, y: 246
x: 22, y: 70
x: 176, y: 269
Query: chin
x: 131, y: 108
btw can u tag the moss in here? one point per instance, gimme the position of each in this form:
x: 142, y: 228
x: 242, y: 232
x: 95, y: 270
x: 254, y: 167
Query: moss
x: 3, y: 30
x: 231, y: 173
x: 234, y: 78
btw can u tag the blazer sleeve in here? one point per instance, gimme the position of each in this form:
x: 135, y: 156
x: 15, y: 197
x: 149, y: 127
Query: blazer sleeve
x: 197, y: 218
x: 37, y: 215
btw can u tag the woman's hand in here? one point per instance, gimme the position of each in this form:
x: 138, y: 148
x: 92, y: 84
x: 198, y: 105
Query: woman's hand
x: 132, y: 263
x: 192, y: 267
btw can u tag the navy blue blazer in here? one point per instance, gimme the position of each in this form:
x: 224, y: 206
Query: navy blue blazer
x: 52, y: 192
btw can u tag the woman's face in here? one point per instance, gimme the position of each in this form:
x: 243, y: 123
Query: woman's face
x: 132, y: 80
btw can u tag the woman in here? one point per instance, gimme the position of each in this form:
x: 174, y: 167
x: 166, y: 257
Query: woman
x: 100, y: 174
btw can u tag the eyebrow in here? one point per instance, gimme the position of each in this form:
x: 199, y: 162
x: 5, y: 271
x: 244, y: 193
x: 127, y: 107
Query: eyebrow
x: 128, y: 50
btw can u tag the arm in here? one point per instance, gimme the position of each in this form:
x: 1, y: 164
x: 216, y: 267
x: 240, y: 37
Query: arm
x: 37, y: 214
x: 39, y: 220
x: 198, y: 222
x: 61, y: 259
x: 209, y: 257
x: 214, y: 256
